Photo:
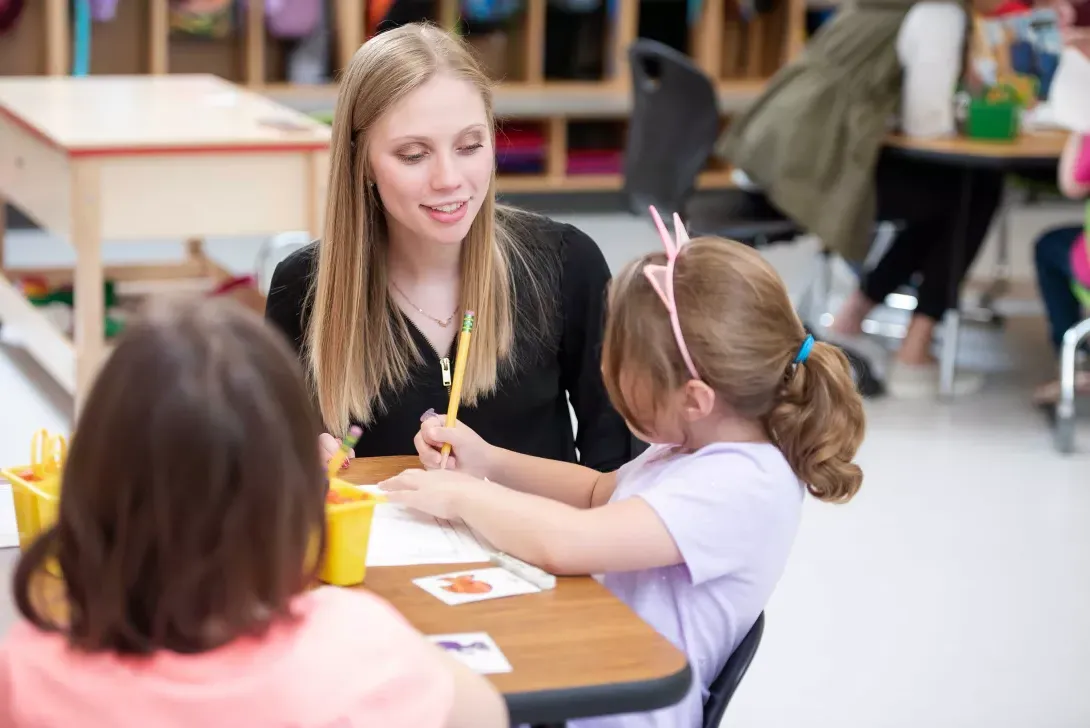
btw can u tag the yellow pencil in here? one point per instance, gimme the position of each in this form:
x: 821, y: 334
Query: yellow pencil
x: 459, y: 375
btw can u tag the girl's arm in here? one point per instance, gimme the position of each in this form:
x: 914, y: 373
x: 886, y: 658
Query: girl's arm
x: 624, y: 536
x: 1075, y: 167
x: 575, y: 485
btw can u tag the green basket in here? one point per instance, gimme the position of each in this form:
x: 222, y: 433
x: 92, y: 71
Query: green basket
x: 998, y: 121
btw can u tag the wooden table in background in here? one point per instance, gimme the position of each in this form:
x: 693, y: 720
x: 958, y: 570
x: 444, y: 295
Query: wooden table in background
x: 576, y: 650
x: 124, y: 158
x: 1030, y: 146
x: 1032, y: 151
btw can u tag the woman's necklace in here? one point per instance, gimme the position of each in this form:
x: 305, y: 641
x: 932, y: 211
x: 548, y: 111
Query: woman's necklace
x: 442, y: 322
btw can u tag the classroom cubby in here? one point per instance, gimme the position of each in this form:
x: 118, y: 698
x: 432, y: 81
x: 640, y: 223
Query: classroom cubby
x: 562, y: 78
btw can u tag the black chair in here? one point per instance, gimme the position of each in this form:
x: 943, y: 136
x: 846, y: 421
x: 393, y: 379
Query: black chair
x: 671, y: 134
x: 726, y: 682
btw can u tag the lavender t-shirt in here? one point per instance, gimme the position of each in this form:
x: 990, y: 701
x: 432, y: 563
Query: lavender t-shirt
x: 733, y: 510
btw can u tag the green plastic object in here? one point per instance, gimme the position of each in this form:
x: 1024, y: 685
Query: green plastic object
x: 993, y: 121
x: 997, y: 113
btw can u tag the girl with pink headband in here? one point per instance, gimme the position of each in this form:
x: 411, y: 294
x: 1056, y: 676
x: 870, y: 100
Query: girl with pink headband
x: 705, y: 357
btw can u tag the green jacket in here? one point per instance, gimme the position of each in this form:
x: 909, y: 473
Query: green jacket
x: 812, y: 140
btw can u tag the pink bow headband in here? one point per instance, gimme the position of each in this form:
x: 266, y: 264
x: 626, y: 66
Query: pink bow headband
x: 662, y: 280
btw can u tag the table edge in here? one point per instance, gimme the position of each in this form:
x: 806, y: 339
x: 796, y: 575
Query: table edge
x: 78, y: 151
x: 976, y: 160
x: 954, y: 156
x: 565, y: 704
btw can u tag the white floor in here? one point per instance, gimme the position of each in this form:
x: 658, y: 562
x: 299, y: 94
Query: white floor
x: 954, y: 592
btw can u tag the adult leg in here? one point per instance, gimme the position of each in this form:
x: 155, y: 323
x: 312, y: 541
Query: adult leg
x: 914, y: 195
x: 934, y: 294
x: 1052, y: 255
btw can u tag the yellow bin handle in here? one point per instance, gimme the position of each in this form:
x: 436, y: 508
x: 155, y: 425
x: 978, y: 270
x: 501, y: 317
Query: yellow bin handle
x: 47, y: 453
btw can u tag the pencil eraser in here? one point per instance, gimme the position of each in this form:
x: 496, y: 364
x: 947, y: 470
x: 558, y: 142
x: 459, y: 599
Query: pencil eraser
x: 470, y: 313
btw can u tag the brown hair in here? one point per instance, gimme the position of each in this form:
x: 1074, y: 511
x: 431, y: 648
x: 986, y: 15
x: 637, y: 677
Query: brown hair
x: 193, y: 497
x: 743, y: 335
x: 357, y: 344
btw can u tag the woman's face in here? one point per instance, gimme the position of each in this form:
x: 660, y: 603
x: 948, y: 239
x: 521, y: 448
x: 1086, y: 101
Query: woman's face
x: 432, y: 158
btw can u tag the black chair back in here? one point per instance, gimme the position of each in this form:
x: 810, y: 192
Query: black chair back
x: 672, y: 130
x: 726, y: 682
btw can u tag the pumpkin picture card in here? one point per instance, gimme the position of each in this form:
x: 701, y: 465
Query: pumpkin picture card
x: 463, y: 587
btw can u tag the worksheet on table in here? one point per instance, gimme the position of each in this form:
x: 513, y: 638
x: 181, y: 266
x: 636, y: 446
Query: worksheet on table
x: 403, y: 537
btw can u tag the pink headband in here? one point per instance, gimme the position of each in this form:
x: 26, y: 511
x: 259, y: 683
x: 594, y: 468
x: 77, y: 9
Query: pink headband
x: 662, y: 279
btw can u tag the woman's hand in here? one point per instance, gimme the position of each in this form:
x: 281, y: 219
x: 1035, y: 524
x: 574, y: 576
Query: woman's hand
x: 435, y: 492
x: 469, y: 453
x: 330, y: 447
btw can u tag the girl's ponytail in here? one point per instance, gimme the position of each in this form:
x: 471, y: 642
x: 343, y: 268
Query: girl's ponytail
x: 818, y: 424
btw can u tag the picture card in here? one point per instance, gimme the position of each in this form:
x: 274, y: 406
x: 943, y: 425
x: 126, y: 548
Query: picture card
x: 477, y: 585
x: 475, y: 650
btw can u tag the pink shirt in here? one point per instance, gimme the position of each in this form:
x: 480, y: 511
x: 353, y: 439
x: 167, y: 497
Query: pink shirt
x: 1080, y: 255
x: 1082, y: 160
x: 351, y: 660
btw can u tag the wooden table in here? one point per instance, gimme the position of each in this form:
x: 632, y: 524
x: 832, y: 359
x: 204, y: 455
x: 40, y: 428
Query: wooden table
x: 1040, y: 146
x: 576, y: 651
x: 1030, y: 152
x: 143, y: 158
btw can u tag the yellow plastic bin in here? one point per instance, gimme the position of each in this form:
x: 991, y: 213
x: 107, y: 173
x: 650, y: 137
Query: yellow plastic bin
x: 36, y: 503
x: 348, y: 531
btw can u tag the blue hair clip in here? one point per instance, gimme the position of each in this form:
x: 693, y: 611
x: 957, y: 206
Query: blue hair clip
x: 804, y: 350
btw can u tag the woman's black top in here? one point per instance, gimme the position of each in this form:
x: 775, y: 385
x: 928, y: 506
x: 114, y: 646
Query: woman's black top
x: 557, y: 354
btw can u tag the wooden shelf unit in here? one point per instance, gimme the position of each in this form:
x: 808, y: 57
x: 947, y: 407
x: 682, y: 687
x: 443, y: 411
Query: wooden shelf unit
x: 739, y: 54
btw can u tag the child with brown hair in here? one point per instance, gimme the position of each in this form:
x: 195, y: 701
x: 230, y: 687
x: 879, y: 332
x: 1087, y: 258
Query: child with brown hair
x: 705, y: 356
x: 192, y: 504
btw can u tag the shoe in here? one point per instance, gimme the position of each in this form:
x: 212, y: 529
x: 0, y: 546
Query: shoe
x: 921, y: 381
x: 863, y: 346
x: 864, y: 364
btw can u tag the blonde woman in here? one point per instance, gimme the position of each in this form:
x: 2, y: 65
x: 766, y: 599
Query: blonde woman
x: 413, y: 238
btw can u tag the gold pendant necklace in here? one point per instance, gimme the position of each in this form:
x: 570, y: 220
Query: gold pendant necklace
x: 442, y: 322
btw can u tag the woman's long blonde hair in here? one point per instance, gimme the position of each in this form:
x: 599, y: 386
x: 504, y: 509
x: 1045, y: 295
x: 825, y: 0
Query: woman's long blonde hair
x: 743, y: 334
x: 358, y: 346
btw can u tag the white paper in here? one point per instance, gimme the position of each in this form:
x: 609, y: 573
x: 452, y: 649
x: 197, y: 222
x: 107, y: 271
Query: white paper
x: 477, y: 585
x: 476, y: 650
x: 1069, y: 97
x: 404, y: 537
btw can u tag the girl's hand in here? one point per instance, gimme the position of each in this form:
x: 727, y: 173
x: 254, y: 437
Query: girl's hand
x: 329, y: 447
x: 469, y: 453
x: 435, y: 492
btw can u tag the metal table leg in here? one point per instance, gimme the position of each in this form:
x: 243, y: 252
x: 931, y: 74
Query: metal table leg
x: 948, y: 355
x: 1065, y: 408
x: 951, y: 322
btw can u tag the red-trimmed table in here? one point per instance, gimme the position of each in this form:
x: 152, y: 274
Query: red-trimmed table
x: 124, y: 158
